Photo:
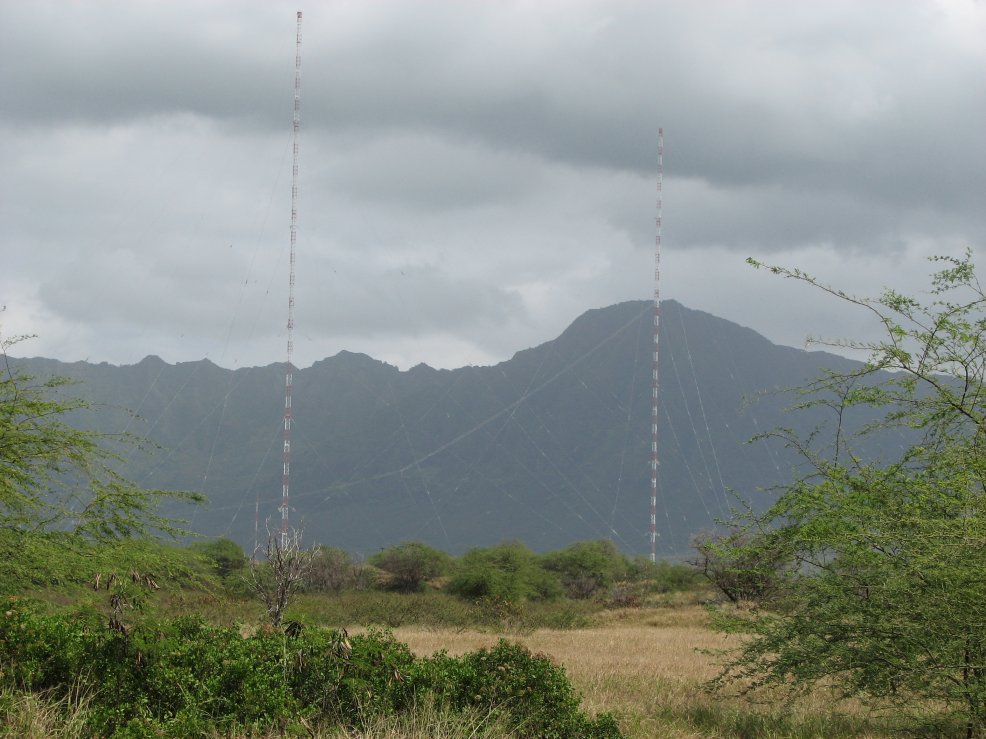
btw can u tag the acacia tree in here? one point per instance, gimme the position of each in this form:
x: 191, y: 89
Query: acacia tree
x: 586, y: 567
x: 741, y: 565
x: 886, y: 589
x: 411, y: 564
x: 56, y: 476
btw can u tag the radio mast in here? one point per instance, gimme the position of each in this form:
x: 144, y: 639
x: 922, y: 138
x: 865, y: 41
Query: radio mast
x: 288, y: 366
x: 655, y: 384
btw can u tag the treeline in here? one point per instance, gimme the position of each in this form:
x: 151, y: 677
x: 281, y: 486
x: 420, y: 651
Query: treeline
x: 509, y: 571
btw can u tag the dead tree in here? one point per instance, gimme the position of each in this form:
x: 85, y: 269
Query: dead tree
x: 281, y: 574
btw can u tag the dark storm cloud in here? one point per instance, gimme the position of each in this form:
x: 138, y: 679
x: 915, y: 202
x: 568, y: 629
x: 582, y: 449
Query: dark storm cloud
x: 743, y: 98
x: 409, y: 300
x: 421, y: 171
x: 474, y: 175
x: 767, y: 93
x: 114, y: 62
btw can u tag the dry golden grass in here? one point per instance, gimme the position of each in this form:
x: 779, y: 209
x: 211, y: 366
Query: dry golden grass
x: 37, y: 716
x: 647, y: 667
x: 630, y: 663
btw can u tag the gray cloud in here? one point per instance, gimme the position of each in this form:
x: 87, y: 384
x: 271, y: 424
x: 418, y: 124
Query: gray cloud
x: 473, y: 175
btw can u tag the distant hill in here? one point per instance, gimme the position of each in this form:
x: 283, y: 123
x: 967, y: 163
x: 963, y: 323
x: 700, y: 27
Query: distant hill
x: 549, y: 447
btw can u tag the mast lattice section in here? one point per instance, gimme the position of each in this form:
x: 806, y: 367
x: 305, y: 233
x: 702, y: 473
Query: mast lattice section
x: 289, y: 366
x: 655, y: 381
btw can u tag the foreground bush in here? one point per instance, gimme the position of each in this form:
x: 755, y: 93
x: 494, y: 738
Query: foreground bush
x: 57, y: 559
x: 185, y: 677
x: 883, y: 554
x: 529, y: 688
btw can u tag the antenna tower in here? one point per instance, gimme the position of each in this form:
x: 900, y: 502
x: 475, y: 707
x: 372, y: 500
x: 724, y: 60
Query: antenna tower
x: 288, y: 366
x: 655, y: 384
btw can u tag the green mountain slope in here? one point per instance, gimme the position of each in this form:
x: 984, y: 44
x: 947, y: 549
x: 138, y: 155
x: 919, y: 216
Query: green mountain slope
x: 549, y: 447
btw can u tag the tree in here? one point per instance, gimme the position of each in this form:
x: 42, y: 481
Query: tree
x: 225, y: 555
x: 410, y: 564
x: 886, y: 588
x: 332, y: 570
x: 277, y: 579
x: 508, y: 572
x: 585, y: 567
x: 741, y: 566
x: 56, y: 476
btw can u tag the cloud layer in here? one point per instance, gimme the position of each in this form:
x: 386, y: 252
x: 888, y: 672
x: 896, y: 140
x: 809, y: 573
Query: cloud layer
x: 473, y: 176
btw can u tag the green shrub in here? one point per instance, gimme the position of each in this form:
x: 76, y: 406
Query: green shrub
x: 185, y: 677
x: 442, y: 611
x: 390, y: 609
x: 664, y: 576
x: 587, y: 567
x: 531, y: 693
x: 331, y: 571
x: 224, y: 556
x: 59, y: 559
x: 411, y: 564
x: 507, y: 572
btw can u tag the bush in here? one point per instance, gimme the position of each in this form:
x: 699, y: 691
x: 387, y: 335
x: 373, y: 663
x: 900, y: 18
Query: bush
x: 57, y: 559
x: 331, y: 570
x: 411, y: 564
x: 224, y: 556
x: 883, y: 551
x: 185, y: 677
x: 663, y: 576
x: 436, y: 609
x: 507, y: 572
x: 587, y: 567
x: 743, y: 566
x: 532, y: 693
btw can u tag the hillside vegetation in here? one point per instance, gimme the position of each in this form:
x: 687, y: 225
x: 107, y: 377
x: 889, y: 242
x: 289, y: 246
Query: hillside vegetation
x: 856, y: 597
x: 547, y: 448
x: 632, y: 647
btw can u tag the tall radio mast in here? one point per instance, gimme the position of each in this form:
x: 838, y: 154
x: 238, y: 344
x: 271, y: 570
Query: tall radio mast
x: 288, y: 366
x: 655, y: 384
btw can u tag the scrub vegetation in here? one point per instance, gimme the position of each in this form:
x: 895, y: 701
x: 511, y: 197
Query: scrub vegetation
x: 852, y: 606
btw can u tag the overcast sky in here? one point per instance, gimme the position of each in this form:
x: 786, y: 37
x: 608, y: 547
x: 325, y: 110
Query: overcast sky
x: 473, y: 175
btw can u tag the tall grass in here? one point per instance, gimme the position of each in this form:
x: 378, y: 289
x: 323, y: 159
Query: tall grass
x: 34, y: 716
x: 41, y: 715
x: 437, y: 610
x: 648, y: 668
x: 427, y: 721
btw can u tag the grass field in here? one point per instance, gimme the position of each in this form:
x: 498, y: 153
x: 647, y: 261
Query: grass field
x: 648, y: 667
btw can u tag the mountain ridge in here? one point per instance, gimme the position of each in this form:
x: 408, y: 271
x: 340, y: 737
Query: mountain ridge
x: 549, y: 446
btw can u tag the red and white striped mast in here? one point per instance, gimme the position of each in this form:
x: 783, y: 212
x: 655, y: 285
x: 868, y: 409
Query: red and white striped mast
x: 288, y: 366
x: 655, y: 384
